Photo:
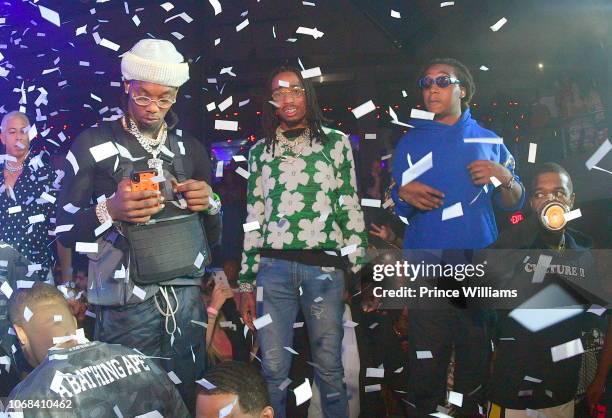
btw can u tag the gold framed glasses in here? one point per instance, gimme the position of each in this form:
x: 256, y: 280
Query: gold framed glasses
x: 293, y: 92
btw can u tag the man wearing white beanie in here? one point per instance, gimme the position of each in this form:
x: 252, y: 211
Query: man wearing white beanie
x: 139, y: 188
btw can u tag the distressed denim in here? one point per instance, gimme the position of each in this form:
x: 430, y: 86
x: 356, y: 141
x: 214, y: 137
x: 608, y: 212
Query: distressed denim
x: 288, y: 286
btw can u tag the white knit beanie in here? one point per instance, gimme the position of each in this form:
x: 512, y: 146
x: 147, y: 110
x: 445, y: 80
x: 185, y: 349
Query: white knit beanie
x: 155, y: 61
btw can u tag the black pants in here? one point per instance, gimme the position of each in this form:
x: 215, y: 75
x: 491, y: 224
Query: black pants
x: 440, y: 332
x: 142, y: 327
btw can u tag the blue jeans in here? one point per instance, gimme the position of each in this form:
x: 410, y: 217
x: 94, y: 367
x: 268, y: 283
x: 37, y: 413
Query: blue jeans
x: 281, y: 281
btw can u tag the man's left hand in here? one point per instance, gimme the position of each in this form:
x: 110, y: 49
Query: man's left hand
x: 196, y: 193
x: 481, y: 172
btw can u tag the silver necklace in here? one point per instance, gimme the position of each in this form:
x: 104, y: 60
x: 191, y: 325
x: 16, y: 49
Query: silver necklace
x: 291, y: 146
x: 151, y: 145
x: 13, y: 168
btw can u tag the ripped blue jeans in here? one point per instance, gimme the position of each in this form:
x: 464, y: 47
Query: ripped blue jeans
x: 288, y: 286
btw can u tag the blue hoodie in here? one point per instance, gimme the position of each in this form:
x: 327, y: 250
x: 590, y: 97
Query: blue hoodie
x: 449, y: 174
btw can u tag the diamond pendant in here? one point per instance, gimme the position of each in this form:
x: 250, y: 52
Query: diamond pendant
x: 157, y: 164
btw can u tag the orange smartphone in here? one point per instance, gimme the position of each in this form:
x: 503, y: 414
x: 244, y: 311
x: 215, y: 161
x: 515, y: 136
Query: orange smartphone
x: 141, y: 180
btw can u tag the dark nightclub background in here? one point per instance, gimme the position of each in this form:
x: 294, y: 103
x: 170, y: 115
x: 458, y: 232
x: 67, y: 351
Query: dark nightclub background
x: 543, y: 77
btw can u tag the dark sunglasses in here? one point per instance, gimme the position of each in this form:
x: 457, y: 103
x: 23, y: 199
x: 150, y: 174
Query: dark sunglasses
x: 443, y: 81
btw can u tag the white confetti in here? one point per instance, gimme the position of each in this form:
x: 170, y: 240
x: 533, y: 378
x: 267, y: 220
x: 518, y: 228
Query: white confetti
x: 497, y: 26
x: 373, y: 203
x: 109, y: 44
x: 311, y: 72
x: 103, y: 227
x: 567, y: 350
x: 349, y: 249
x: 6, y: 289
x: 302, y: 393
x: 36, y: 219
x: 453, y: 211
x: 242, y: 25
x: 70, y: 208
x: 205, y: 384
x: 314, y: 32
x: 594, y: 309
x: 395, y: 14
x: 73, y: 162
x: 291, y: 350
x: 571, y: 215
x: 226, y: 125
x: 533, y: 148
x: 375, y: 372
x: 372, y: 388
x: 484, y: 68
x: 86, y: 247
x: 364, y: 109
x: 199, y: 260
x: 483, y: 140
x: 167, y: 6
x: 417, y: 169
x: 139, y: 293
x: 598, y: 155
x: 455, y: 398
x: 495, y: 181
x: 446, y: 4
x: 262, y: 321
x: 219, y: 170
x: 541, y: 268
x: 423, y: 355
x: 216, y: 6
x: 175, y: 379
x: 422, y: 114
x: 50, y: 15
x: 27, y: 314
x: 225, y: 104
x: 242, y: 172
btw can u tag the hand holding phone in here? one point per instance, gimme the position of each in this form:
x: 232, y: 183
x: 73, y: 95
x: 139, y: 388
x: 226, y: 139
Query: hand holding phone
x: 134, y: 206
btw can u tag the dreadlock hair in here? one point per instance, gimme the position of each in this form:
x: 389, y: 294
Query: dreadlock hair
x: 240, y: 379
x: 463, y: 74
x: 314, y: 116
x: 39, y: 293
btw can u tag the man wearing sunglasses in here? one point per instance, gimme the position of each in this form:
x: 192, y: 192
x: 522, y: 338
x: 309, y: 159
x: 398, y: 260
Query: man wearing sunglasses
x: 146, y: 291
x: 471, y: 175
